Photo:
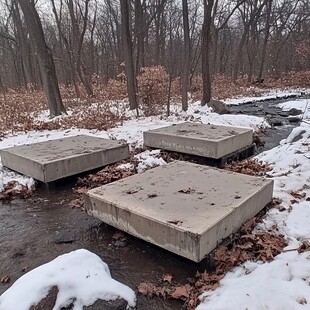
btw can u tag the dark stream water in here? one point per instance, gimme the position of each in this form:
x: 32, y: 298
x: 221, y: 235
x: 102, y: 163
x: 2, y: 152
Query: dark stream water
x: 38, y: 229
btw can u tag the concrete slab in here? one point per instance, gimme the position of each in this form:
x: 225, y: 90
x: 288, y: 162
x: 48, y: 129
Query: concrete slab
x: 55, y: 159
x: 206, y: 140
x: 182, y: 207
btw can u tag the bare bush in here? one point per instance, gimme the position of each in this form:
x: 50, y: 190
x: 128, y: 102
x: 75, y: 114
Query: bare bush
x: 153, y: 85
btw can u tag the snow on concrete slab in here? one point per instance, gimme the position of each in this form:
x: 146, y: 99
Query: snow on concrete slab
x: 282, y: 284
x: 79, y: 274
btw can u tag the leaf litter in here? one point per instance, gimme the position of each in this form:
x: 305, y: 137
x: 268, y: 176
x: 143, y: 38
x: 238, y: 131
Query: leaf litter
x: 244, y: 245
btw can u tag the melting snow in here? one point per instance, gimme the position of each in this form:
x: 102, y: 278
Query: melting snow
x: 282, y: 284
x: 79, y: 274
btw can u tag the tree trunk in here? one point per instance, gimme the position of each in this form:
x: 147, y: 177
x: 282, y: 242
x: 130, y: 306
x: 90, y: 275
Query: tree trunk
x: 264, y: 49
x: 78, y: 36
x: 140, y: 35
x: 45, y: 58
x: 239, y: 54
x: 205, y: 52
x: 186, y: 61
x: 63, y: 40
x: 24, y: 48
x: 128, y: 55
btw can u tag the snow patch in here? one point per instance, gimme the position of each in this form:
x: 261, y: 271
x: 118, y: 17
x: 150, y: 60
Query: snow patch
x: 271, y: 95
x: 149, y: 159
x: 79, y: 274
x: 284, y: 282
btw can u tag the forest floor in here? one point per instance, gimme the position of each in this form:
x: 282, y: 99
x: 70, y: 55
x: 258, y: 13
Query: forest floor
x: 267, y: 264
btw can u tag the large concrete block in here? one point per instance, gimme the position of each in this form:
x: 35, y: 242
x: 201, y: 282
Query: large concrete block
x: 55, y: 159
x: 182, y: 207
x: 206, y: 140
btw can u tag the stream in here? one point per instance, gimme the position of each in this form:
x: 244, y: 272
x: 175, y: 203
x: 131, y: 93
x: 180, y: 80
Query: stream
x: 38, y: 229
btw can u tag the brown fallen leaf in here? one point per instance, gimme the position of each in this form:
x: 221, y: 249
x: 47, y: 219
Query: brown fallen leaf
x: 147, y: 289
x: 181, y: 292
x: 167, y: 277
x: 151, y: 195
x: 305, y: 246
x: 293, y: 201
x: 5, y: 280
x: 302, y: 300
x: 132, y: 191
x: 186, y: 191
x: 175, y: 222
x: 118, y: 236
x: 298, y: 195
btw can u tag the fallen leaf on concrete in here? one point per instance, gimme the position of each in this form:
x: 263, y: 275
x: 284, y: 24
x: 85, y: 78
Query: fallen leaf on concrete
x: 132, y: 191
x: 175, y: 222
x: 187, y: 191
x: 5, y: 280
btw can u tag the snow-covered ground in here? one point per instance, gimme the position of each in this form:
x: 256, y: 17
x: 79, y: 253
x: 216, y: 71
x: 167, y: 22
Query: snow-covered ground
x: 79, y: 274
x: 282, y: 284
x: 131, y: 131
x: 270, y: 95
x: 303, y: 105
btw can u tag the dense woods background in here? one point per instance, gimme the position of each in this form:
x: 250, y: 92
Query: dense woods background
x: 164, y: 39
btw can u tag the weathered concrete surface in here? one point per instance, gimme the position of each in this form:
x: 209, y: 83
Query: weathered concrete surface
x: 55, y: 159
x: 182, y: 207
x: 200, y: 139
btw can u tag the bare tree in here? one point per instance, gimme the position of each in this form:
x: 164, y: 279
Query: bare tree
x: 205, y: 54
x: 266, y: 36
x: 185, y: 73
x: 128, y: 54
x: 86, y: 40
x: 44, y: 56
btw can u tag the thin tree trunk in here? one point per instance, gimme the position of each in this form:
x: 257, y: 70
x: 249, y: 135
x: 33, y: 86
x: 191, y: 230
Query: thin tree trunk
x: 205, y: 52
x: 186, y: 61
x: 64, y: 40
x: 239, y: 54
x: 24, y: 48
x: 44, y: 56
x: 264, y: 51
x: 128, y: 55
x: 140, y: 35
